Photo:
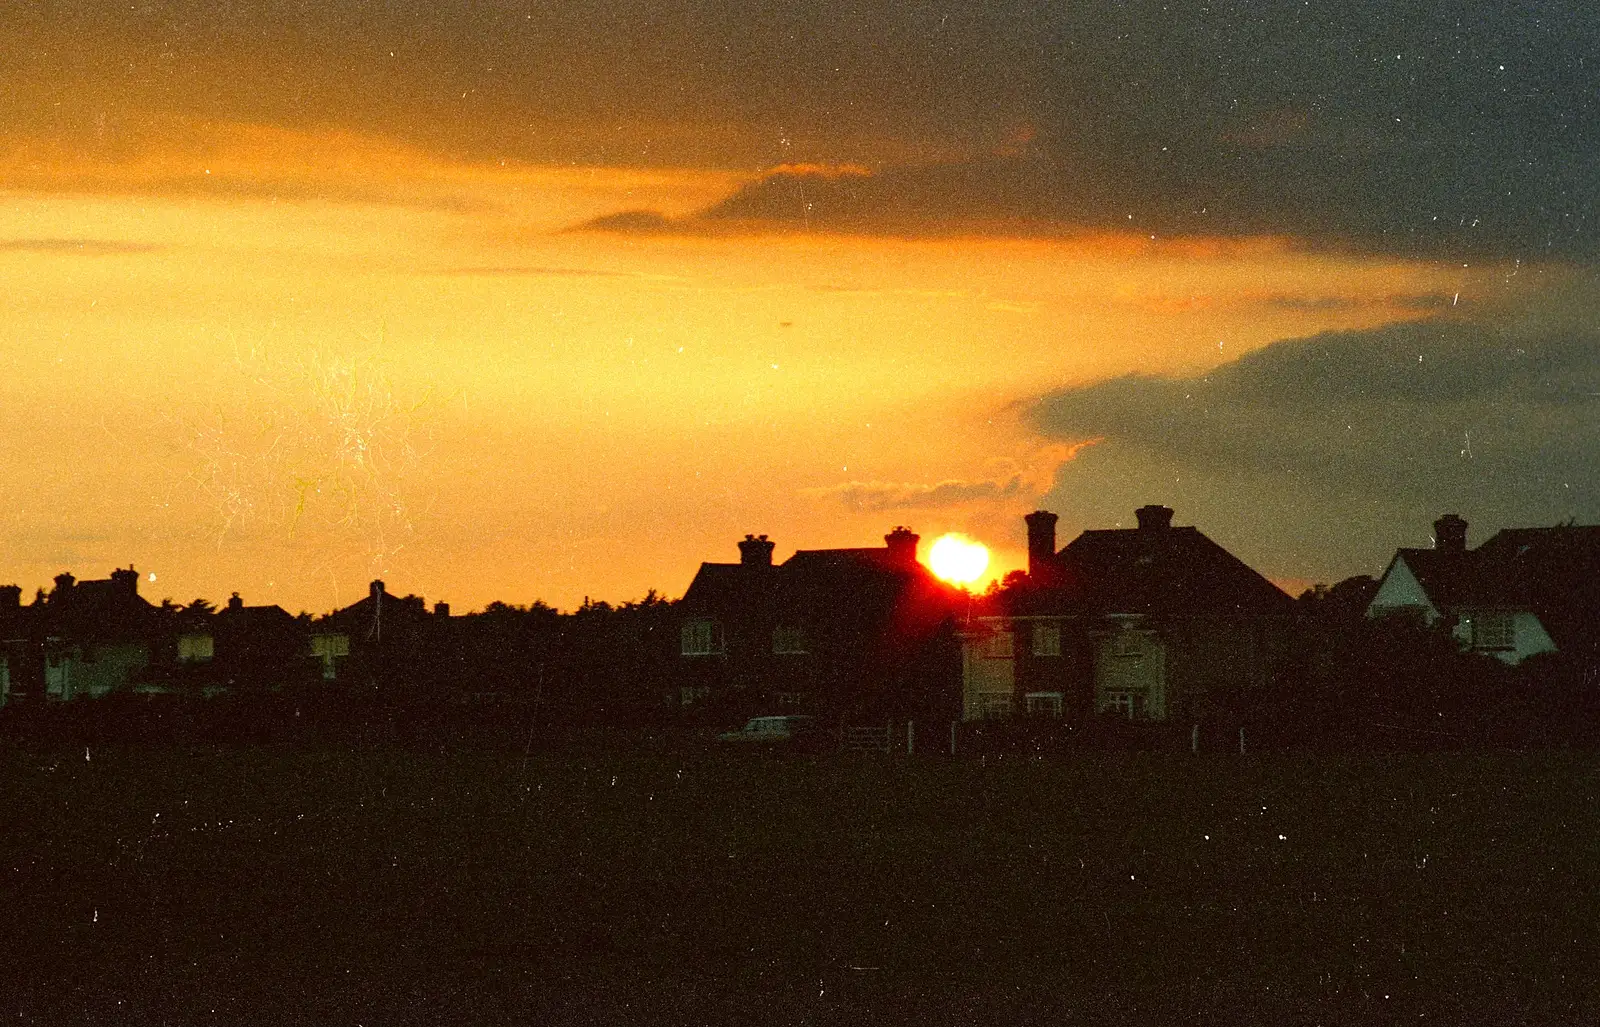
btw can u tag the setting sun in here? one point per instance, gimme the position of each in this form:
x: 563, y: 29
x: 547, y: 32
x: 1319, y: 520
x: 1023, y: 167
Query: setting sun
x: 958, y: 559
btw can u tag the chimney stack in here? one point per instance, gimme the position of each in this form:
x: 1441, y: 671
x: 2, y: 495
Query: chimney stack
x: 902, y: 543
x: 756, y: 551
x: 1154, y: 517
x: 1450, y: 534
x: 64, y: 583
x: 235, y: 603
x: 1041, y: 544
x: 441, y: 610
x: 126, y: 581
x: 375, y: 589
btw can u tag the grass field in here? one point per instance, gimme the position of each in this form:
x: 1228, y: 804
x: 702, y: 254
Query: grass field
x: 381, y: 886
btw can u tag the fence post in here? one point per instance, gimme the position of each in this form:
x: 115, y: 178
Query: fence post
x: 911, y: 737
x: 1194, y: 739
x: 1241, y: 741
x: 953, y: 726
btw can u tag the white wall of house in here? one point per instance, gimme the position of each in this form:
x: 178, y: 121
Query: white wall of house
x: 1509, y: 636
x: 93, y: 670
x: 1130, y: 674
x: 1400, y: 590
x: 988, y: 671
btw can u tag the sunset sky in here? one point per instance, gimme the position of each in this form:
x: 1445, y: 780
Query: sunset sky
x: 517, y: 301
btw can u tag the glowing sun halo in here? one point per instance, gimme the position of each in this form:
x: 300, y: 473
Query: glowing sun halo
x: 958, y: 559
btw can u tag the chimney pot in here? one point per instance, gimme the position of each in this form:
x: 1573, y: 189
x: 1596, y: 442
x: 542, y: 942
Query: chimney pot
x: 1041, y: 544
x: 1154, y: 517
x: 902, y: 543
x: 126, y: 580
x: 1450, y: 534
x: 756, y: 551
x: 375, y: 589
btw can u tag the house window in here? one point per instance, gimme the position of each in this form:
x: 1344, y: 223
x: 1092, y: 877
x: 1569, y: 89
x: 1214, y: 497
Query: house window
x: 998, y: 646
x: 195, y: 648
x: 1127, y: 643
x: 994, y: 705
x: 789, y: 638
x: 1494, y: 631
x: 328, y: 649
x: 1044, y: 704
x: 702, y: 638
x: 1047, y: 640
x: 1125, y: 703
x: 691, y: 694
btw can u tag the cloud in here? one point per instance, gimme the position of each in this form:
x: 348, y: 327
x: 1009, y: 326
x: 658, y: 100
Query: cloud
x: 1016, y: 480
x: 1398, y: 128
x: 79, y: 247
x: 1329, y: 449
x: 632, y: 222
x: 875, y: 496
x: 1314, y: 199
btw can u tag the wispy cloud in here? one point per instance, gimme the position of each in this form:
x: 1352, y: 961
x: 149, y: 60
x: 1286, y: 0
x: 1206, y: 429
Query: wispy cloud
x: 1017, y: 480
x: 80, y: 247
x: 862, y: 496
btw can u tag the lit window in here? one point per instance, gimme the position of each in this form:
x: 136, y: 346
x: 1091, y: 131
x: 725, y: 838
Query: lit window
x: 789, y: 638
x: 691, y: 694
x: 702, y: 638
x: 195, y: 648
x: 1044, y: 704
x: 1494, y: 631
x: 330, y: 645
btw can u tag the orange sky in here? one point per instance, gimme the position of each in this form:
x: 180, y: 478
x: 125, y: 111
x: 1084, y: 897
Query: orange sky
x: 285, y: 362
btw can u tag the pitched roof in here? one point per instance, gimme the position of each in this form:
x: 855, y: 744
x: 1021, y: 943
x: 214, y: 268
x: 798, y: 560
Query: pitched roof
x: 1174, y: 571
x: 1552, y: 572
x: 719, y: 586
x: 103, y: 608
x: 271, y: 618
x: 1447, y: 577
x: 377, y: 614
x: 869, y: 589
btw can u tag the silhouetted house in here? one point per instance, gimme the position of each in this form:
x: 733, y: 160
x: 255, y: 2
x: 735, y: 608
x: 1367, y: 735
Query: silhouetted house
x: 834, y: 630
x: 88, y: 638
x: 383, y: 639
x: 13, y: 641
x: 1523, y: 592
x: 1151, y: 623
x: 236, y: 649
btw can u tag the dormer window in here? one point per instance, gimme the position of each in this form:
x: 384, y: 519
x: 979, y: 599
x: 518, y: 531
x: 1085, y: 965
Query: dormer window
x: 1494, y: 631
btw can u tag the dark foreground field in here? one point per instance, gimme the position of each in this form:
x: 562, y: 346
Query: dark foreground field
x: 381, y: 886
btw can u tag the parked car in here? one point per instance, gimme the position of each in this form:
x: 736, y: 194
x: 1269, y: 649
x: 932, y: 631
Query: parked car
x: 795, y: 731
